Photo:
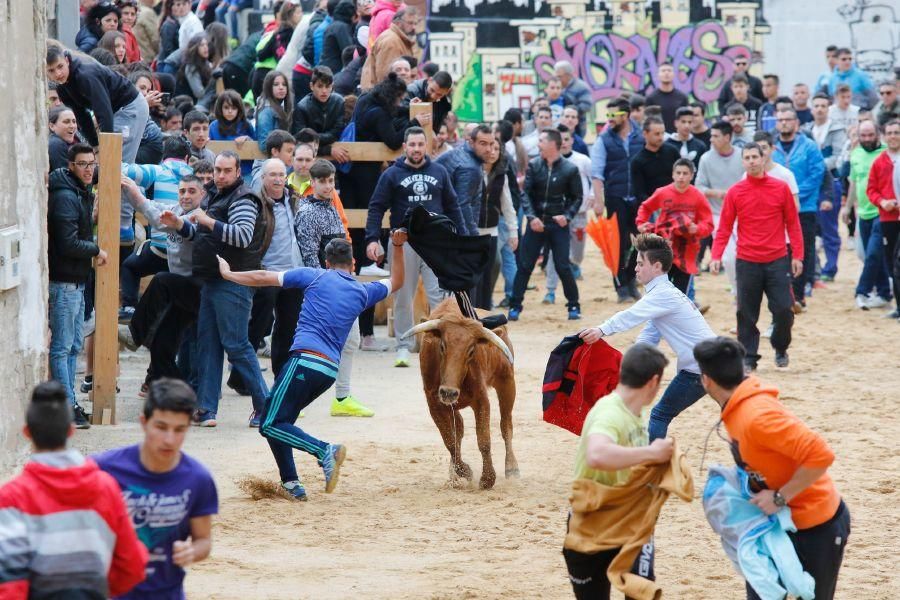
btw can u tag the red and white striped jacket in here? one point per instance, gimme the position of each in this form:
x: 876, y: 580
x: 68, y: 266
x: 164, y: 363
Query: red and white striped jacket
x: 65, y: 532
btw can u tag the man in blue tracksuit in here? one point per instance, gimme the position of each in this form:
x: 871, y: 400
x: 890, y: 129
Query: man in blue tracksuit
x: 801, y: 155
x: 412, y: 180
x: 332, y: 301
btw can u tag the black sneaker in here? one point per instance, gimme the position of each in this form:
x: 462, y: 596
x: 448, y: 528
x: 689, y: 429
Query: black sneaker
x: 81, y: 419
x: 87, y: 384
x: 749, y: 365
x: 781, y: 360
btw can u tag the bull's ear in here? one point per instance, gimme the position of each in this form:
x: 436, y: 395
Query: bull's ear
x: 494, y: 321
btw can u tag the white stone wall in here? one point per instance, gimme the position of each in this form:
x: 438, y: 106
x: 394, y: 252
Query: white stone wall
x: 23, y: 203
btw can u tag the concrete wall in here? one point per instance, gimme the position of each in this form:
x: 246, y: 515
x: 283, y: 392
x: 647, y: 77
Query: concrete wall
x: 23, y: 202
x: 870, y: 27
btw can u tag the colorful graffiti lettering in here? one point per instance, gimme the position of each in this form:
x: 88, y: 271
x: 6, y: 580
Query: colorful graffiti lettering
x: 612, y: 64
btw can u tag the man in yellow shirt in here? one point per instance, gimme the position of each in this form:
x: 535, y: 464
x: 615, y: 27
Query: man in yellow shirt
x: 613, y: 440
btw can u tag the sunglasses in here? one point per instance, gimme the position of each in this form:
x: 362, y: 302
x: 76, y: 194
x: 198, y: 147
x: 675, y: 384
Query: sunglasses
x: 618, y: 113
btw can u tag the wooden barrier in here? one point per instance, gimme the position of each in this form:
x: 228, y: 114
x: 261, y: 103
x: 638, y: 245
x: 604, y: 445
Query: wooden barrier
x: 358, y: 151
x: 106, y: 343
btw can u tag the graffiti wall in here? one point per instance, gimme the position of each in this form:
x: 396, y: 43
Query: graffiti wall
x: 502, y: 51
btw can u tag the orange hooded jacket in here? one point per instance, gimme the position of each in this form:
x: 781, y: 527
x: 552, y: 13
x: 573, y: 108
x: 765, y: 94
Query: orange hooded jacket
x: 770, y: 444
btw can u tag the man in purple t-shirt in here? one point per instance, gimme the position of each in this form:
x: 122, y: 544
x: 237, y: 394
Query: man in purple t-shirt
x: 170, y: 496
x: 332, y: 300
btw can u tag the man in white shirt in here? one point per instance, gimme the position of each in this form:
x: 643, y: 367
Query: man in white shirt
x: 669, y: 315
x: 543, y: 119
x: 842, y: 111
x: 766, y: 142
x: 576, y: 230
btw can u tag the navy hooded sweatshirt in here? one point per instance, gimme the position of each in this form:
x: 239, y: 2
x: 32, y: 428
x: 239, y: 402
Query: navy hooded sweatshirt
x: 402, y: 187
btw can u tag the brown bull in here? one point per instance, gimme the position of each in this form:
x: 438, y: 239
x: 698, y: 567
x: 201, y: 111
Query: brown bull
x: 459, y: 360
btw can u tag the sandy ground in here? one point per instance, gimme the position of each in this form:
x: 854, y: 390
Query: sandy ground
x: 395, y: 528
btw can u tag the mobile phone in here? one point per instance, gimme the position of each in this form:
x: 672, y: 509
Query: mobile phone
x: 165, y: 97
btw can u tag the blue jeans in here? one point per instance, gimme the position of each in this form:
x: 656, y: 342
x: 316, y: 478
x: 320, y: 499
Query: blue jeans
x: 682, y: 392
x: 227, y: 17
x: 875, y: 270
x: 222, y: 328
x: 828, y: 230
x: 507, y: 260
x: 66, y: 315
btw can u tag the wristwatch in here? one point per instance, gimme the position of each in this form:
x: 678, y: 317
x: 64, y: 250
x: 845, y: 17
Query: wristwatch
x: 778, y: 499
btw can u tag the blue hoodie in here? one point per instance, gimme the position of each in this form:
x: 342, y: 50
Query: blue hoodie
x: 860, y: 84
x: 402, y: 187
x: 806, y: 162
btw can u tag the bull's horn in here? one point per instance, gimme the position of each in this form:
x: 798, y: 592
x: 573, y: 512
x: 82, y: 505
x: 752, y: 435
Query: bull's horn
x: 422, y: 328
x: 498, y: 341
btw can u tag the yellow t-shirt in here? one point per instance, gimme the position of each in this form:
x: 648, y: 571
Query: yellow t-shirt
x: 610, y: 417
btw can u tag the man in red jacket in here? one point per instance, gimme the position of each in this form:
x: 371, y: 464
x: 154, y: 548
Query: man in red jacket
x: 764, y: 208
x: 64, y: 529
x: 882, y: 192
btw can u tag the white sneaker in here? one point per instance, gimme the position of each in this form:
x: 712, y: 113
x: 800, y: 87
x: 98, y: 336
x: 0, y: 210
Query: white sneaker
x: 876, y: 301
x: 374, y: 270
x: 402, y: 359
x: 862, y: 302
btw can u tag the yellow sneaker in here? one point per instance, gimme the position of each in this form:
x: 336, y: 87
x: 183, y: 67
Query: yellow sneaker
x: 349, y: 407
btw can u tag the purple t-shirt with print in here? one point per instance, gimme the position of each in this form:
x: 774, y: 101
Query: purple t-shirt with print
x: 161, y: 506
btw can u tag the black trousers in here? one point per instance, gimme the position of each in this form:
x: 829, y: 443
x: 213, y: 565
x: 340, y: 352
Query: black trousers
x: 587, y: 572
x: 774, y: 280
x: 533, y: 242
x: 277, y: 310
x: 625, y: 212
x: 167, y: 309
x: 485, y: 288
x: 808, y: 224
x: 366, y: 317
x: 890, y: 236
x: 136, y: 266
x: 256, y: 81
x: 300, y: 85
x: 821, y: 552
x: 679, y: 279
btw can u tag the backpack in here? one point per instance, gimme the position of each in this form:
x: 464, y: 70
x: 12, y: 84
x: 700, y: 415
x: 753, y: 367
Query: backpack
x: 577, y: 375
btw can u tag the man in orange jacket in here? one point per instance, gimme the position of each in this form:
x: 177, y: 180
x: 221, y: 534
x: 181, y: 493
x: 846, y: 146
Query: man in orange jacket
x: 786, y: 461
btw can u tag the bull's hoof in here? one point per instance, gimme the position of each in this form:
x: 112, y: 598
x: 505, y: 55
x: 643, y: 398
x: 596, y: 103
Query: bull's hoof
x: 487, y: 481
x: 512, y: 473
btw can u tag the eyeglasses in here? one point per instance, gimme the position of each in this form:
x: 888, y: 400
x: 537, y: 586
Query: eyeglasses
x: 81, y: 164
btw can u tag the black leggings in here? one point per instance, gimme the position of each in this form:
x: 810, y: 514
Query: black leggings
x: 587, y: 572
x: 821, y: 552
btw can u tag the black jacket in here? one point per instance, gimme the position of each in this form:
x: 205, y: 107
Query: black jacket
x: 347, y: 81
x: 207, y: 244
x: 58, y: 150
x: 325, y: 119
x: 338, y: 36
x: 308, y: 50
x: 70, y: 237
x: 551, y: 191
x: 419, y: 89
x: 374, y: 123
x: 652, y: 170
x: 93, y: 87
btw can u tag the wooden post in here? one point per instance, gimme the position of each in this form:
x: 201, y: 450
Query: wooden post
x: 106, y: 334
x: 422, y: 108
